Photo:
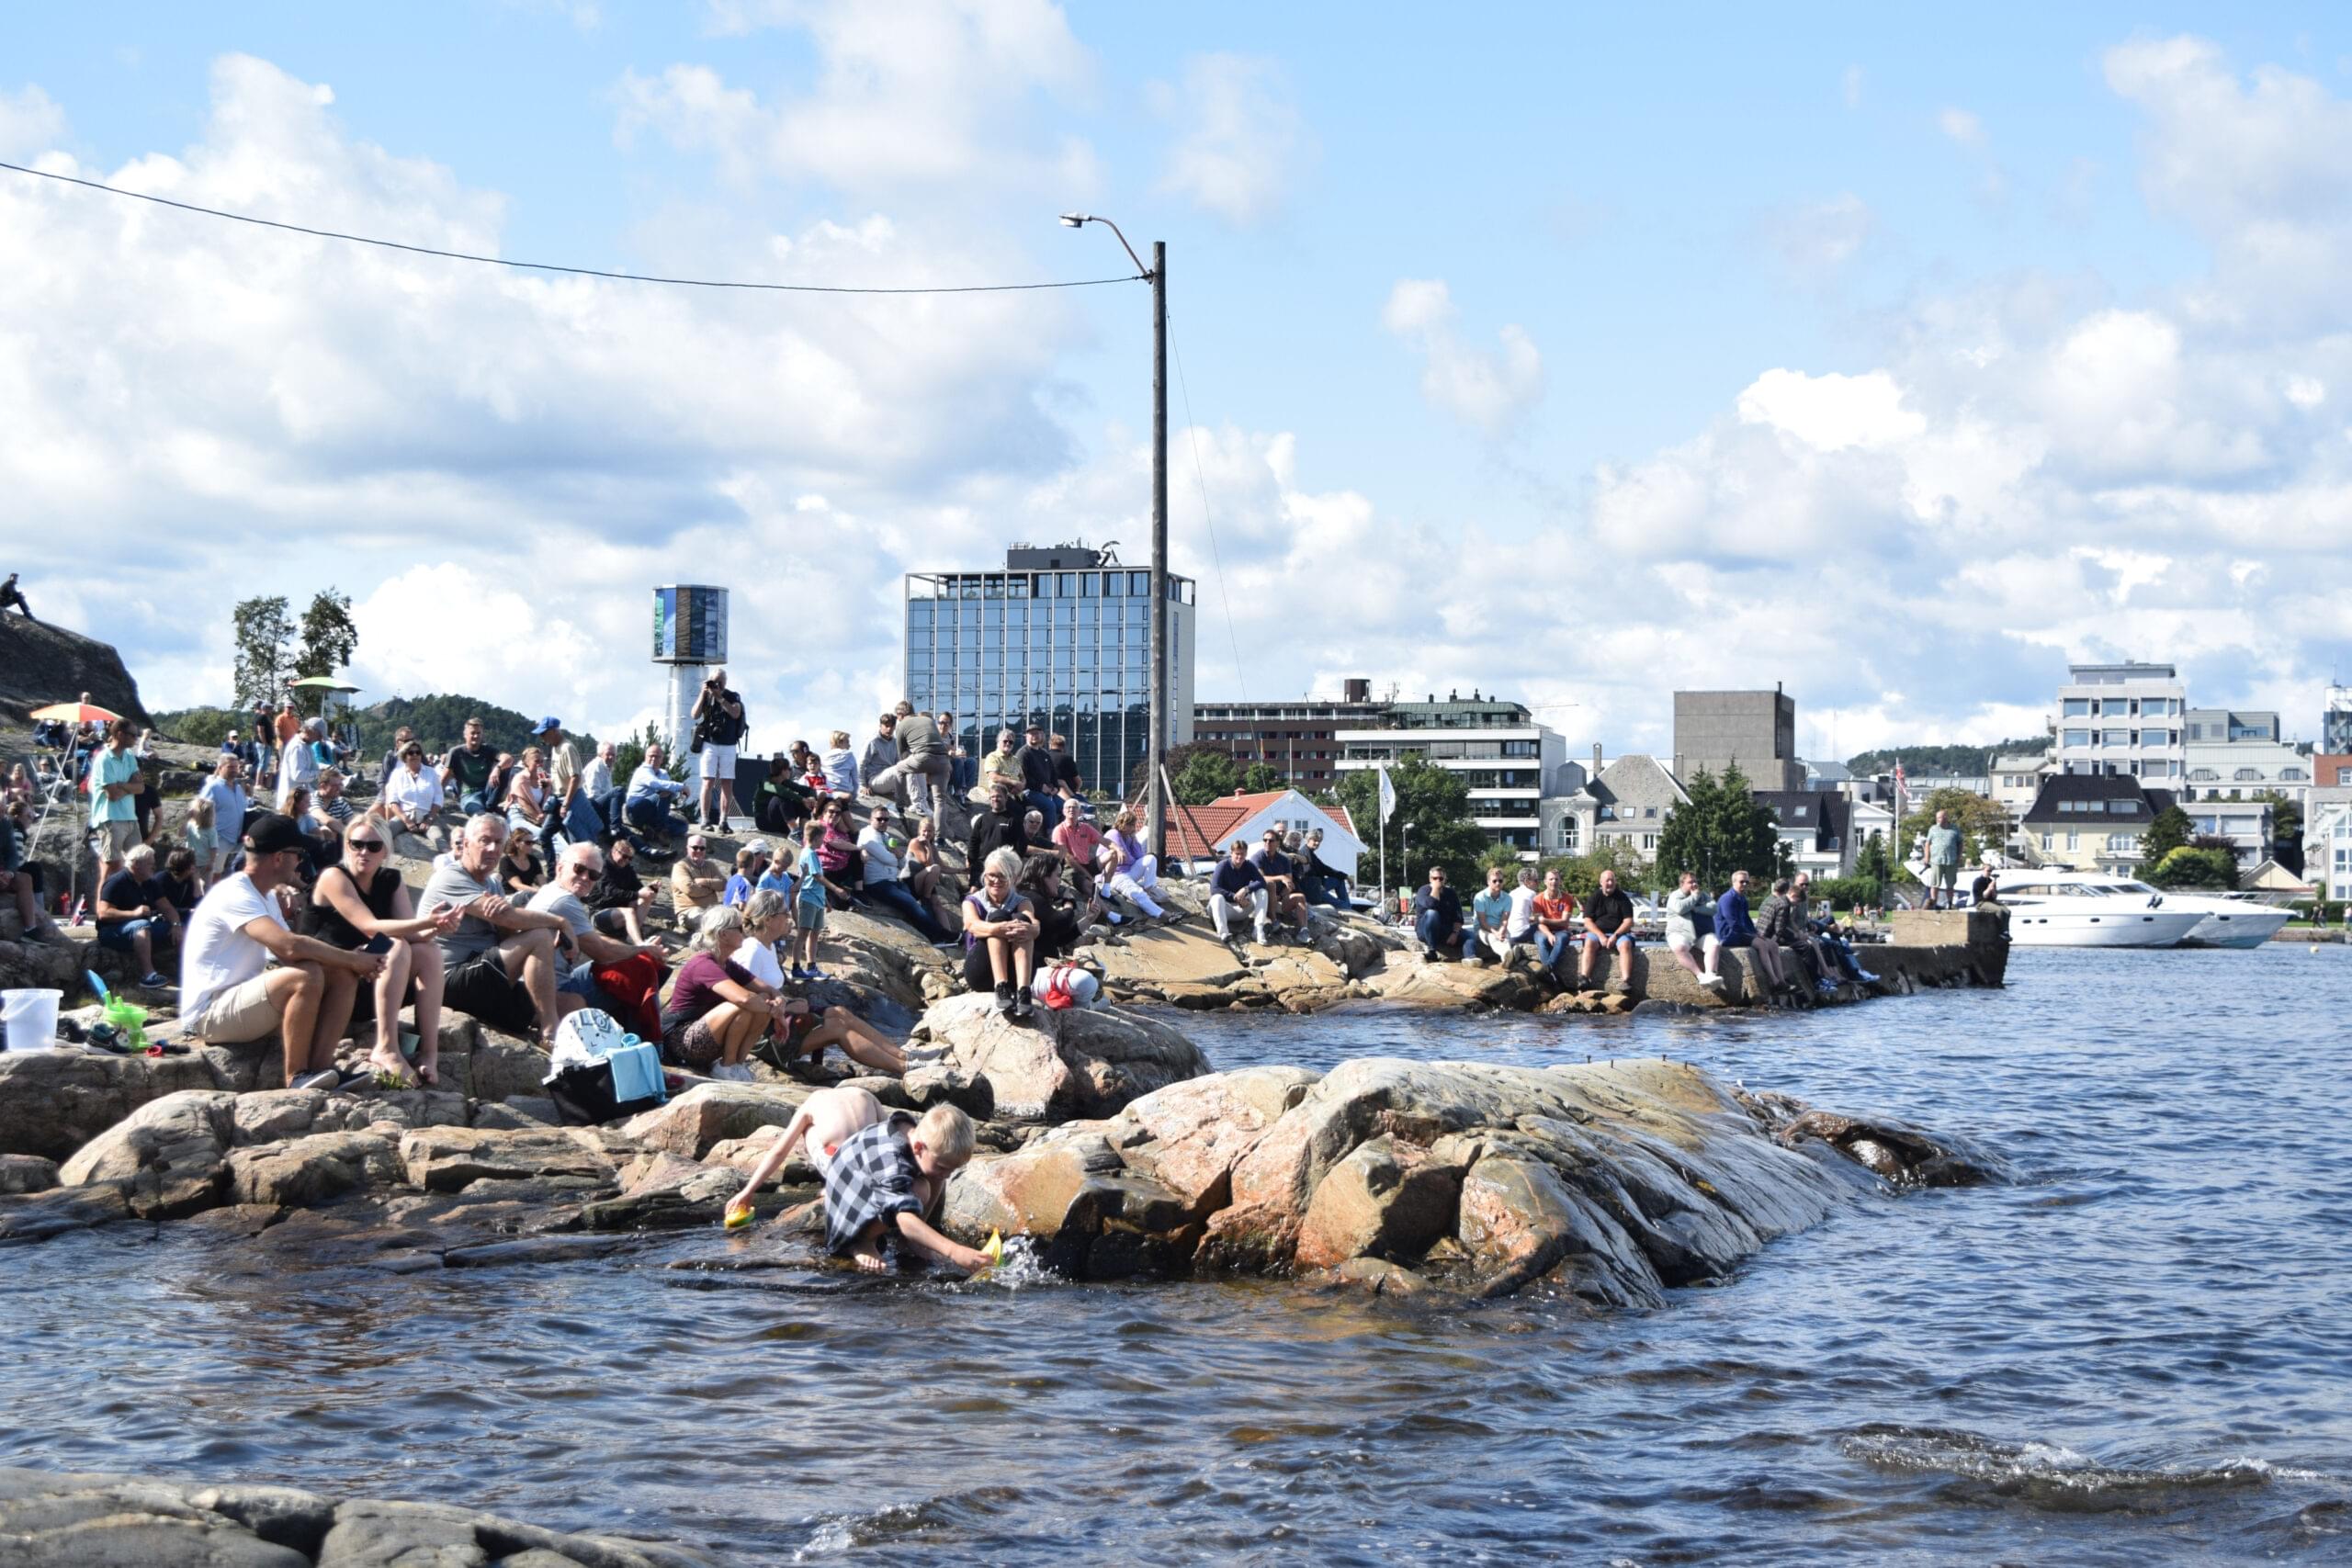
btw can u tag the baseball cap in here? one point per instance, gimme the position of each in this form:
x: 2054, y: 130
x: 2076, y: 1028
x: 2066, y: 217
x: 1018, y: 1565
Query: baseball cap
x: 273, y: 833
x: 550, y: 722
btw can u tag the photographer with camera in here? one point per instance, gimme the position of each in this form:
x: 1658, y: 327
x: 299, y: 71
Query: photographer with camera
x: 718, y: 727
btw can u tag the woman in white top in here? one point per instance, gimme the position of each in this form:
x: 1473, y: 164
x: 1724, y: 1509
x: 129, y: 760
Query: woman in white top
x: 526, y: 798
x: 413, y: 791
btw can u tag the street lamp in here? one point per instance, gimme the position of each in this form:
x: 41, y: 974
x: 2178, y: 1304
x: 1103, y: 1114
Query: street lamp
x: 1156, y: 748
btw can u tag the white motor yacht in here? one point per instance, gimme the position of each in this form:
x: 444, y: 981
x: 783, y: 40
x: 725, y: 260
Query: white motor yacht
x: 2072, y: 908
x: 2230, y: 919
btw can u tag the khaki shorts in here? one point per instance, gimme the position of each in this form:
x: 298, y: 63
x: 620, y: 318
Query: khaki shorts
x: 115, y: 839
x: 235, y: 1016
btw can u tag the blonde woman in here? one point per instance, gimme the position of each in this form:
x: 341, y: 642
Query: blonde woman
x: 1000, y: 929
x: 526, y: 798
x: 1126, y: 833
x: 841, y: 766
x: 718, y: 1010
x: 198, y: 837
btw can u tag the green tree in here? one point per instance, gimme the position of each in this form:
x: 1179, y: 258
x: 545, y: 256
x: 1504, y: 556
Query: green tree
x: 1982, y: 824
x: 1435, y: 802
x: 200, y: 727
x: 1259, y: 777
x: 1180, y: 757
x: 629, y: 754
x: 2286, y: 831
x: 2189, y: 867
x: 2169, y: 833
x: 1963, y: 761
x: 261, y: 631
x: 1207, y: 776
x: 1503, y: 855
x: 1580, y: 874
x: 1722, y: 828
x: 328, y: 638
x: 1872, y: 862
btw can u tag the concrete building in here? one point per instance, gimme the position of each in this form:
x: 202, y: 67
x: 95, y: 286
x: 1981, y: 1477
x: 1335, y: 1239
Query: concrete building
x: 2244, y: 823
x: 2241, y: 770
x: 2327, y: 842
x: 1059, y: 637
x: 1756, y: 729
x: 2125, y: 719
x: 2336, y: 722
x: 1498, y: 750
x: 1297, y: 736
x: 2215, y: 727
x: 1816, y: 829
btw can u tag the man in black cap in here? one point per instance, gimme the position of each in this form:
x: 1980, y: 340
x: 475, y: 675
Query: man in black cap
x: 229, y: 993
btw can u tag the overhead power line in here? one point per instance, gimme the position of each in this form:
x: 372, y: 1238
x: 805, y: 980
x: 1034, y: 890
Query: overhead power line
x: 552, y: 266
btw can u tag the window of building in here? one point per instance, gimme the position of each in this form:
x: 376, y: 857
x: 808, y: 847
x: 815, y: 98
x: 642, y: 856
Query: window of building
x: 2075, y: 738
x: 2076, y: 707
x: 1650, y: 811
x: 1649, y: 840
x: 2247, y: 774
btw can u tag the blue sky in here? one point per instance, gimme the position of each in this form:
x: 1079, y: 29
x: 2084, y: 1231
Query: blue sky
x: 1577, y: 355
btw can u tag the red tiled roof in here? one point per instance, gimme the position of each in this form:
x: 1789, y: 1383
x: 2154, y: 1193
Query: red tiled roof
x: 1195, y: 831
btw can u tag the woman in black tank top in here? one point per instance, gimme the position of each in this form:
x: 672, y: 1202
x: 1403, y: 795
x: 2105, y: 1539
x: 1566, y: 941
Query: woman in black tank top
x: 359, y: 900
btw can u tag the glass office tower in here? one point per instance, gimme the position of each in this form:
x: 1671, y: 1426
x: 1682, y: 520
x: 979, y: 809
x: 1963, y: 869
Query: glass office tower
x: 1059, y: 637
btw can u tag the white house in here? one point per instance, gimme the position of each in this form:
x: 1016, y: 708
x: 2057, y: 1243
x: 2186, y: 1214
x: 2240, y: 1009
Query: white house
x: 1197, y: 835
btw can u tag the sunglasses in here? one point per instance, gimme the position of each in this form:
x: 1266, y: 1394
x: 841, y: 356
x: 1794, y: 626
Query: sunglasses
x: 365, y: 846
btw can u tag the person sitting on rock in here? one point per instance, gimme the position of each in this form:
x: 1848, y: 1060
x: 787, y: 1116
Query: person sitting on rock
x: 412, y: 792
x: 1118, y: 880
x: 604, y: 972
x: 134, y: 916
x: 1691, y: 929
x: 332, y: 802
x: 521, y: 872
x: 1490, y: 916
x: 620, y: 890
x: 1283, y: 897
x: 1081, y: 843
x: 716, y: 1011
x: 499, y: 961
x: 696, y: 882
x: 923, y: 870
x: 180, y: 883
x: 1002, y: 825
x: 468, y: 772
x: 809, y: 768
x: 801, y: 1038
x: 872, y: 1183
x: 875, y: 777
x: 647, y: 805
x: 841, y: 767
x: 529, y: 796
x: 360, y: 899
x: 400, y: 738
x: 1608, y: 926
x: 1437, y: 918
x: 1776, y: 931
x: 1237, y: 887
x: 782, y: 803
x: 1735, y: 928
x: 1520, y: 925
x: 837, y: 849
x: 1000, y: 929
x: 20, y: 875
x: 751, y: 863
x: 13, y: 597
x: 1138, y: 861
x: 1001, y: 766
x: 1807, y: 931
x: 229, y: 996
x: 883, y: 889
x: 1317, y: 880
x: 1060, y: 912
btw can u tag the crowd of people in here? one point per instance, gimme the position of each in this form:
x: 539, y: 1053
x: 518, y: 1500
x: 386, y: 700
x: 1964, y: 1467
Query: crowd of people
x: 1797, y: 953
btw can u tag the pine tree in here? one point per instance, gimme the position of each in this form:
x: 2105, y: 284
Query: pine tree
x: 2169, y: 831
x: 261, y: 631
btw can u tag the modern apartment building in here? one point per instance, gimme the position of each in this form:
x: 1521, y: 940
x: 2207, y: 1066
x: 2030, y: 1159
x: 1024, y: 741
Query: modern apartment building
x: 2335, y: 721
x: 2327, y: 842
x: 1297, y: 737
x: 2127, y: 720
x: 1756, y: 729
x: 1497, y: 749
x: 1059, y: 635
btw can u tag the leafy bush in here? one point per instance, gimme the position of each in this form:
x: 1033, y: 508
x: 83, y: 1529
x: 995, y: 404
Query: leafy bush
x: 1845, y: 892
x: 2191, y: 868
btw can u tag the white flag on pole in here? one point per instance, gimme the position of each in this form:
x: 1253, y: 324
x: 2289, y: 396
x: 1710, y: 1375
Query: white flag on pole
x: 1387, y: 797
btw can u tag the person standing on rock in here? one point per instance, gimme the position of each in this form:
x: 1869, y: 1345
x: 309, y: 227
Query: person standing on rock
x: 114, y: 787
x: 229, y: 996
x: 226, y: 792
x: 1943, y: 861
x: 298, y: 760
x: 1000, y: 929
x: 718, y: 724
x: 1437, y: 918
x: 1237, y: 886
x: 12, y: 596
x: 1607, y: 925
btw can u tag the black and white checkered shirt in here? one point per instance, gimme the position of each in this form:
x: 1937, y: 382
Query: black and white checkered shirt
x: 872, y: 1177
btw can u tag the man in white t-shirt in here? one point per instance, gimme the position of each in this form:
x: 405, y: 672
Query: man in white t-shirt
x: 227, y: 993
x: 1520, y: 924
x: 583, y: 948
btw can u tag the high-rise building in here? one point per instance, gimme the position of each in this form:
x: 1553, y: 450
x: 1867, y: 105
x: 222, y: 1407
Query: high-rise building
x: 1059, y: 637
x: 2125, y: 718
x: 2335, y: 721
x: 1756, y: 729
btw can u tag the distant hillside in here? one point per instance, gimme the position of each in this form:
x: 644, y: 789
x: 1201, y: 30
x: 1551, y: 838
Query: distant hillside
x: 1964, y: 761
x: 440, y: 722
x: 40, y: 665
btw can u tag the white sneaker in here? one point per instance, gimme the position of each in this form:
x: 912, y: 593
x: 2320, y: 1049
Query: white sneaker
x: 1709, y: 979
x: 1262, y: 940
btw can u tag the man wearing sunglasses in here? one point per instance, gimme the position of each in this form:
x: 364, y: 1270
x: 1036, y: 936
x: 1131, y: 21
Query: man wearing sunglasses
x: 230, y: 994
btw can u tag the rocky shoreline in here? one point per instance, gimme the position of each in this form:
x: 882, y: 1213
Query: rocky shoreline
x: 67, y: 1519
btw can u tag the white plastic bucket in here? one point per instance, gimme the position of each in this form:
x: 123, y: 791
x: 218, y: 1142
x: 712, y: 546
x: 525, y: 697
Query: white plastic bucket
x: 30, y: 1018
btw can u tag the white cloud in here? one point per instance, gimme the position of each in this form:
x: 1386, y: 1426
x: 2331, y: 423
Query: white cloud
x: 929, y: 94
x: 2306, y: 392
x: 1815, y: 242
x: 1850, y: 86
x: 1961, y: 126
x: 1490, y: 389
x: 1831, y: 412
x: 30, y: 123
x: 1243, y: 141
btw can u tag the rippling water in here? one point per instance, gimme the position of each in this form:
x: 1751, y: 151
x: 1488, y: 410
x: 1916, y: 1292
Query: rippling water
x: 2142, y: 1352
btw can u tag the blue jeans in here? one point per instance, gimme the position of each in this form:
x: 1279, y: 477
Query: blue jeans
x: 901, y: 900
x: 473, y: 801
x: 1049, y: 805
x: 1325, y: 890
x: 582, y: 821
x: 1455, y: 941
x: 608, y: 811
x: 118, y: 937
x: 651, y: 815
x: 1550, y: 949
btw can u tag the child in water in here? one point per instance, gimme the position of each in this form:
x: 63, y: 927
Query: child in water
x: 883, y: 1171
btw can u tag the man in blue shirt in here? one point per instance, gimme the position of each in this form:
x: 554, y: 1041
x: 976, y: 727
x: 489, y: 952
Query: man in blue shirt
x: 1734, y: 926
x: 1489, y: 915
x: 1237, y: 886
x: 1437, y: 918
x: 646, y: 806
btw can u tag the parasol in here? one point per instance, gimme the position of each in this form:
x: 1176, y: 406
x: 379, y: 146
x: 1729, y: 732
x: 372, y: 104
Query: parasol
x: 76, y: 712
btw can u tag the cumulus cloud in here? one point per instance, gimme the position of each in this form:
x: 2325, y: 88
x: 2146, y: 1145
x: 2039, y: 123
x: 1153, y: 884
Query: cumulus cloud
x: 1961, y: 126
x: 928, y: 93
x: 29, y: 122
x: 1241, y: 140
x: 1489, y: 388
